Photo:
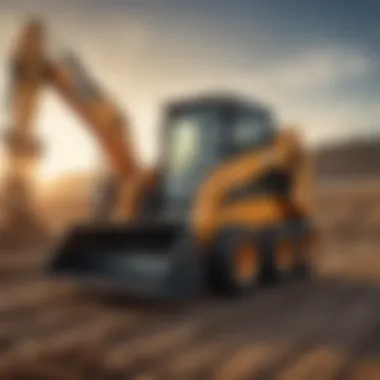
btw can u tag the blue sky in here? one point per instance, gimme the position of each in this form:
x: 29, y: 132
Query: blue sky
x: 315, y: 62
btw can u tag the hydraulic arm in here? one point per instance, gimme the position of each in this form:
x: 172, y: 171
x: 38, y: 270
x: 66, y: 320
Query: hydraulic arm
x: 32, y: 69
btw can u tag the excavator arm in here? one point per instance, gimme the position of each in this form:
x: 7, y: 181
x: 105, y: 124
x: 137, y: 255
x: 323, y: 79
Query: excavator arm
x: 32, y: 69
x: 101, y: 116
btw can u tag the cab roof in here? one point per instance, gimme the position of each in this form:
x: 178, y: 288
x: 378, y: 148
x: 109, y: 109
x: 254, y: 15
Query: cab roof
x: 224, y: 100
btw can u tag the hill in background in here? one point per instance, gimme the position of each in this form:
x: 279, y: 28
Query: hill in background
x: 359, y: 159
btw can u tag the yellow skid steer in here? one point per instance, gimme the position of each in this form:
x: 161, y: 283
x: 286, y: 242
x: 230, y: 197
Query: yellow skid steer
x: 228, y: 205
x: 230, y: 208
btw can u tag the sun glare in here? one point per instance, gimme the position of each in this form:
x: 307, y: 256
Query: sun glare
x: 47, y: 174
x: 50, y: 170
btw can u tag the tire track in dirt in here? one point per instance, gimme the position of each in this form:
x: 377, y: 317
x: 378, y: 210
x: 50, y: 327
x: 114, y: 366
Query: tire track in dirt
x: 260, y: 330
x: 215, y: 336
x: 28, y: 297
x: 61, y: 338
x: 364, y: 362
x: 160, y: 335
x: 273, y: 351
x: 32, y: 315
x: 326, y: 356
x: 175, y: 324
x: 270, y: 345
x: 106, y: 325
x: 86, y: 336
x: 149, y: 349
x: 45, y: 321
x: 164, y: 321
x: 277, y: 340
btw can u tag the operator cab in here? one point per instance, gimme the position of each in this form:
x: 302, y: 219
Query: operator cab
x: 201, y: 133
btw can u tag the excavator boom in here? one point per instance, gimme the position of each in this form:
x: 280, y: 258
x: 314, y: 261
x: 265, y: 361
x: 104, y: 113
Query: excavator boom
x: 103, y: 118
x: 32, y: 69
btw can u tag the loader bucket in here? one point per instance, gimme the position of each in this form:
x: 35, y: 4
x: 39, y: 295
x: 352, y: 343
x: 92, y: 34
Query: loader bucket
x: 149, y: 260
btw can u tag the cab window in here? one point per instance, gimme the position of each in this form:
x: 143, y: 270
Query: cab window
x: 250, y: 129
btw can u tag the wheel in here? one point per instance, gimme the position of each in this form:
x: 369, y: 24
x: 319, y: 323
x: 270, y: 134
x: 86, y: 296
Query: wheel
x: 301, y: 267
x: 291, y: 261
x: 235, y: 264
x: 284, y: 260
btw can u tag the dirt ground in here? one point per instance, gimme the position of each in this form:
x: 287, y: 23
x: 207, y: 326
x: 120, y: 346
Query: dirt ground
x: 327, y: 327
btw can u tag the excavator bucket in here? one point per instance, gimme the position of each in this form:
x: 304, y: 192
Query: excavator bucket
x: 149, y: 260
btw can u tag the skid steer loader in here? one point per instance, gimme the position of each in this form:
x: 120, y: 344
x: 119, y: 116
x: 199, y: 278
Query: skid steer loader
x: 230, y: 209
x: 228, y: 205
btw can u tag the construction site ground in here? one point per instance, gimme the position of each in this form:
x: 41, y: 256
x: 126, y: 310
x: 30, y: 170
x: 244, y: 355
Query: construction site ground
x: 326, y: 327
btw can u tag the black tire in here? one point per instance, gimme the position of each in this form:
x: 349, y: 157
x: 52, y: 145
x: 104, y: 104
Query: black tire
x: 268, y: 275
x: 299, y: 269
x: 302, y: 267
x: 222, y: 263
